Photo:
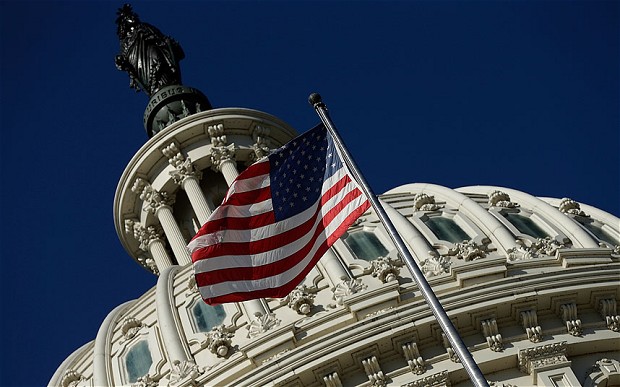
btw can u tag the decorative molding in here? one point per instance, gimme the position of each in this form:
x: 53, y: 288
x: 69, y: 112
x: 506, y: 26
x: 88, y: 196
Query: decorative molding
x: 346, y: 288
x: 130, y: 327
x: 500, y: 384
x: 435, y: 264
x: 182, y: 371
x: 424, y: 202
x: 261, y: 323
x: 152, y: 198
x: 468, y: 251
x: 144, y: 235
x: 529, y: 321
x: 219, y: 341
x: 501, y: 199
x: 332, y: 380
x: 216, y: 132
x: 542, y: 246
x: 542, y: 356
x: 385, y: 269
x: 414, y: 360
x: 439, y: 379
x: 300, y: 299
x: 192, y: 286
x: 71, y: 378
x: 149, y: 263
x: 373, y: 371
x: 569, y: 315
x: 607, y: 309
x: 449, y: 350
x: 569, y: 206
x: 492, y: 335
x: 183, y: 166
x: 276, y: 356
x: 378, y: 312
x: 601, y: 373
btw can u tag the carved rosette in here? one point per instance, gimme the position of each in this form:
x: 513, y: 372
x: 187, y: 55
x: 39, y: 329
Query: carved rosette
x: 384, y: 269
x: 130, y: 327
x: 414, y: 360
x: 544, y: 355
x: 300, y: 300
x: 569, y: 206
x: 569, y: 315
x: 219, y: 341
x: 347, y: 288
x: 607, y: 308
x: 468, y: 251
x: 529, y: 321
x: 435, y: 265
x: 424, y: 202
x: 501, y: 199
x: 183, y: 166
x: 438, y: 379
x: 152, y: 198
x: 492, y: 335
x: 71, y: 378
x: 182, y: 371
x: 373, y: 371
x: 261, y: 323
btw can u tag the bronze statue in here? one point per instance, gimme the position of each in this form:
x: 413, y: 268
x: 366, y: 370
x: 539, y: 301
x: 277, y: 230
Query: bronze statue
x: 149, y: 57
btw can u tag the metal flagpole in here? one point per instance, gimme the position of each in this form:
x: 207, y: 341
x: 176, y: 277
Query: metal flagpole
x: 440, y: 314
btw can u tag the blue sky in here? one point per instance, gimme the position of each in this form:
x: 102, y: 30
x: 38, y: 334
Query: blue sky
x: 517, y: 94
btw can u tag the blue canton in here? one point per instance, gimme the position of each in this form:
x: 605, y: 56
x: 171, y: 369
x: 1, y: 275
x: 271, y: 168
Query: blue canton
x: 298, y: 169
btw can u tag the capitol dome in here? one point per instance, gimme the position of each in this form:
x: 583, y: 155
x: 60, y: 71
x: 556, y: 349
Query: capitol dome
x: 530, y: 283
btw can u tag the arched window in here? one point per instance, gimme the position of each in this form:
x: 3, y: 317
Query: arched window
x: 138, y: 361
x: 446, y: 229
x: 599, y: 232
x: 207, y: 316
x: 365, y: 245
x: 525, y: 225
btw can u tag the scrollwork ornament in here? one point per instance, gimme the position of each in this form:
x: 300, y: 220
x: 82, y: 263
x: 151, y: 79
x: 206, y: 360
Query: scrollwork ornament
x: 501, y: 199
x: 424, y: 202
x: 468, y: 251
x: 384, y: 269
x: 569, y: 206
x: 347, y: 288
x: 146, y: 381
x: 300, y: 299
x: 219, y: 341
x: 71, y: 378
x: 130, y: 327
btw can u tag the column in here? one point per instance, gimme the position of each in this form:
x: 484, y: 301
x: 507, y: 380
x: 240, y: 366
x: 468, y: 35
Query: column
x: 188, y: 178
x: 334, y: 269
x: 222, y: 153
x: 159, y: 203
x: 150, y: 241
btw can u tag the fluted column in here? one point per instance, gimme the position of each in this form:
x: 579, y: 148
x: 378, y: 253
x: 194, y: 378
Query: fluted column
x: 151, y: 241
x: 334, y: 269
x: 159, y: 204
x: 188, y: 178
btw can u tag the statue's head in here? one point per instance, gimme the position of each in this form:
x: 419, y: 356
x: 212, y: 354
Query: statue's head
x: 126, y: 19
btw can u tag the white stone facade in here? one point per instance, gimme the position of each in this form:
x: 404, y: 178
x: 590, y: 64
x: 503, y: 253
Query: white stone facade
x: 530, y: 283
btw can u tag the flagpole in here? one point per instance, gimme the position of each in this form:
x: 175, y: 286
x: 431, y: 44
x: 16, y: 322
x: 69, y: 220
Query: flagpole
x: 440, y: 314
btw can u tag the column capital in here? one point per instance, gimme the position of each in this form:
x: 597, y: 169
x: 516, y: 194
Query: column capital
x: 261, y: 146
x: 184, y: 168
x: 152, y: 198
x: 144, y: 235
x: 221, y: 154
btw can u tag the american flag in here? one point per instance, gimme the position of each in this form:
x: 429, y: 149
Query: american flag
x: 277, y: 220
